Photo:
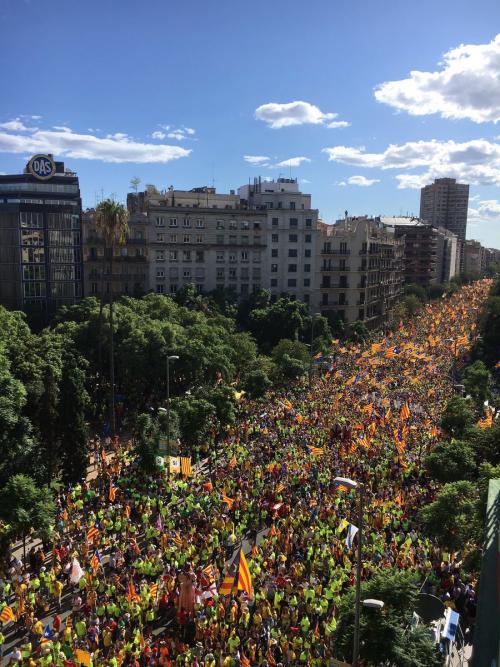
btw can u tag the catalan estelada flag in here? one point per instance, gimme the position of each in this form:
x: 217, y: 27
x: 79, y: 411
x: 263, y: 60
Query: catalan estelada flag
x: 405, y: 412
x: 177, y: 539
x: 186, y: 466
x: 95, y: 561
x: 7, y: 615
x: 112, y: 491
x: 208, y: 571
x: 244, y: 576
x: 93, y: 532
x: 315, y: 451
x: 132, y: 593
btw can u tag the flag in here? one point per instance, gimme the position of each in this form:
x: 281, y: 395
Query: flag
x: 351, y: 533
x: 405, y: 412
x: 280, y: 488
x: 112, y: 491
x: 83, y: 657
x: 487, y: 421
x: 177, y: 539
x: 175, y: 465
x: 244, y: 661
x: 399, y: 440
x: 255, y: 551
x: 208, y: 571
x: 244, y: 577
x: 93, y: 532
x: 233, y: 463
x: 315, y: 451
x: 229, y: 501
x: 132, y: 593
x: 7, y: 615
x: 95, y: 561
x: 228, y: 584
x: 273, y: 531
x: 186, y: 466
x: 153, y: 590
x: 208, y: 486
x: 76, y: 572
x: 47, y: 634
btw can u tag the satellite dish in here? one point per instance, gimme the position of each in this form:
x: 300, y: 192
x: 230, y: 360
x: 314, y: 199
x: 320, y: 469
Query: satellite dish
x: 429, y: 608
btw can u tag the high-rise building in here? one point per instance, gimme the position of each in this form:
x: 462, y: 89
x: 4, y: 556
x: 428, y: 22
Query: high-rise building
x: 361, y: 271
x: 475, y: 258
x: 444, y: 203
x: 292, y: 237
x: 40, y: 238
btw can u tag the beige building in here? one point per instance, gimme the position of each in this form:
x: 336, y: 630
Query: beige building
x: 130, y: 262
x: 291, y: 254
x: 474, y: 258
x: 444, y: 203
x: 203, y: 238
x: 361, y: 271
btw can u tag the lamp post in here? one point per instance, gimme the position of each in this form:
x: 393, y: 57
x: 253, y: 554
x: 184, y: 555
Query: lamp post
x: 313, y: 318
x: 351, y: 484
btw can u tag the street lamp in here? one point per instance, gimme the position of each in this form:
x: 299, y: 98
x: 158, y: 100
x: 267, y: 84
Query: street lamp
x: 351, y: 484
x: 371, y: 603
x: 170, y: 357
x: 313, y: 318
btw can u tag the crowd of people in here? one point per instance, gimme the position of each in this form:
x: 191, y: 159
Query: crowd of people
x: 134, y: 571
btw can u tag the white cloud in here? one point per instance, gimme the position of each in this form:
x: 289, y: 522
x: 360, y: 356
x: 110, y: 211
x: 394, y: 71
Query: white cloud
x: 292, y: 162
x: 476, y: 162
x: 256, y: 160
x: 177, y: 134
x: 337, y: 124
x: 116, y: 148
x: 466, y: 86
x: 485, y: 210
x: 15, y: 125
x: 277, y: 115
x: 158, y: 135
x: 35, y: 117
x: 360, y: 180
x: 189, y: 130
x: 62, y: 128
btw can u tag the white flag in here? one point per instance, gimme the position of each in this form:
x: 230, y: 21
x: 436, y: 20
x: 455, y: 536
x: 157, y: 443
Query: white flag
x: 351, y: 533
x: 76, y: 572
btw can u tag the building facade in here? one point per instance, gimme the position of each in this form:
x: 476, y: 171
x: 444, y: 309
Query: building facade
x: 444, y: 203
x: 128, y: 272
x: 292, y: 240
x: 361, y: 271
x: 474, y: 258
x: 40, y: 238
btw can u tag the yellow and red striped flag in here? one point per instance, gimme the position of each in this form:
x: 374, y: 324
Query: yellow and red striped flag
x: 244, y: 576
x: 273, y: 531
x: 244, y: 661
x: 7, y: 615
x: 405, y: 412
x: 487, y: 421
x: 228, y: 584
x: 132, y: 593
x: 153, y: 590
x: 112, y: 491
x: 226, y: 499
x: 92, y: 533
x: 177, y: 539
x: 208, y: 570
x: 186, y: 466
x: 280, y: 488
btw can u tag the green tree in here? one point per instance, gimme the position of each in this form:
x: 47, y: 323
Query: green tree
x: 285, y: 318
x: 449, y: 517
x: 435, y: 290
x: 477, y: 382
x: 458, y: 416
x: 358, y: 331
x: 146, y: 443
x: 451, y: 461
x: 412, y: 305
x: 256, y: 383
x: 111, y: 220
x: 26, y: 507
x: 416, y: 290
x: 195, y: 417
x: 292, y: 359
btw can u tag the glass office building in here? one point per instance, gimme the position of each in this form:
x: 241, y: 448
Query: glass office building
x: 40, y: 239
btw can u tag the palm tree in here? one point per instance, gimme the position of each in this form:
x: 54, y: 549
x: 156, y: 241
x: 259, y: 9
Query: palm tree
x: 111, y: 221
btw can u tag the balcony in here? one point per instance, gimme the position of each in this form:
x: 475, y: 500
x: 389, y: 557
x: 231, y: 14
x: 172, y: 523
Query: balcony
x: 333, y: 251
x: 334, y: 286
x: 334, y: 269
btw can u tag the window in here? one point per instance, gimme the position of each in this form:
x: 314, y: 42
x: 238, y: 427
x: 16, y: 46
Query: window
x: 187, y: 238
x: 245, y: 224
x: 186, y: 255
x: 30, y: 219
x: 307, y: 268
x: 232, y: 257
x: 220, y: 224
x: 200, y: 224
x: 274, y: 222
x: 219, y: 239
x: 173, y: 288
x: 292, y: 282
x: 292, y: 238
x: 256, y: 257
x: 200, y: 256
x: 343, y: 281
x: 307, y: 282
x: 274, y: 282
x: 244, y: 255
x: 160, y: 288
x: 292, y: 268
x: 308, y: 222
x: 219, y: 274
x: 173, y: 238
x: 244, y: 240
x: 307, y: 238
x: 256, y: 225
x: 269, y: 204
x: 199, y: 238
x: 36, y: 272
x: 232, y: 239
x: 220, y: 256
x: 307, y: 253
x: 307, y: 297
x: 274, y: 252
x: 160, y: 222
x: 294, y: 222
x: 186, y: 273
x: 173, y: 255
x: 292, y: 206
x: 159, y: 237
x: 343, y: 248
x: 172, y: 222
x: 186, y: 222
x: 292, y: 252
x: 324, y: 299
x: 274, y: 268
x: 274, y: 238
x: 244, y: 273
x: 160, y: 273
x: 233, y: 224
x: 255, y: 273
x: 232, y: 274
x: 361, y: 314
x: 200, y: 272
x: 93, y: 288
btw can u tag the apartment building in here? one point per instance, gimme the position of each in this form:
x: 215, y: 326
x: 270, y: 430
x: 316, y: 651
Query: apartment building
x: 291, y: 252
x: 130, y: 267
x: 475, y: 258
x: 444, y: 203
x: 361, y: 271
x: 430, y: 253
x: 204, y: 238
x: 40, y: 238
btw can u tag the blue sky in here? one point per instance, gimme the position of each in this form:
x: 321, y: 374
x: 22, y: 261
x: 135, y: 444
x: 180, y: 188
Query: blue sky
x: 93, y: 81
